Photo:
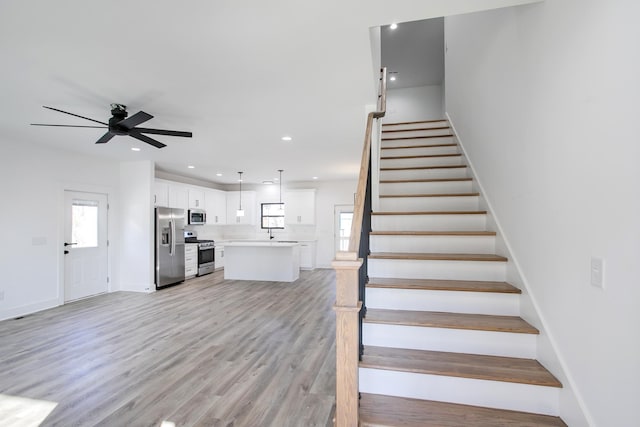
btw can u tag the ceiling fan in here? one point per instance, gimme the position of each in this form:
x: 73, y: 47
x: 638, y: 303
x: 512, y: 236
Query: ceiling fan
x: 119, y: 124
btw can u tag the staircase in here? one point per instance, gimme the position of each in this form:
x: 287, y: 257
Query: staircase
x: 443, y: 341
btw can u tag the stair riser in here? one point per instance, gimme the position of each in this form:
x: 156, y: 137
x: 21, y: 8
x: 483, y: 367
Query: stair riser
x: 446, y: 301
x: 434, y: 244
x: 429, y: 204
x: 493, y: 394
x: 506, y: 344
x: 420, y: 161
x: 420, y: 151
x: 429, y: 222
x: 414, y: 133
x: 449, y: 173
x: 445, y: 270
x: 438, y: 187
x: 438, y: 123
x: 416, y: 141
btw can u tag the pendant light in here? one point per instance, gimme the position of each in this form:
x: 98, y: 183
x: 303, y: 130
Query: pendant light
x: 240, y: 211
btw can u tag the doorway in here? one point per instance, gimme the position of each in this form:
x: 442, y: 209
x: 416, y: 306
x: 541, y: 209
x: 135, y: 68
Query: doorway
x: 85, y: 245
x: 343, y: 219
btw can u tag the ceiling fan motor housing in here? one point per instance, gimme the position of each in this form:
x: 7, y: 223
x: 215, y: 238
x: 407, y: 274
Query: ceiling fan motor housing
x: 119, y: 113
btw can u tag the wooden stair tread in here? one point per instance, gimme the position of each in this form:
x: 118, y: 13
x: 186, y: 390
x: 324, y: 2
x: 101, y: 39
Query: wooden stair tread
x: 431, y: 213
x: 421, y: 156
x: 443, y: 285
x: 405, y: 181
x: 399, y: 147
x: 438, y: 319
x: 433, y: 195
x: 424, y: 167
x: 404, y: 138
x: 433, y: 233
x: 461, y: 365
x: 416, y: 129
x: 437, y: 256
x: 390, y: 411
x: 413, y: 123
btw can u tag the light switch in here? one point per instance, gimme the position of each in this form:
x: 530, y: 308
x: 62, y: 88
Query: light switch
x: 597, y: 272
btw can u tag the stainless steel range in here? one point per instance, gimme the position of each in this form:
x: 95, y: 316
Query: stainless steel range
x: 206, y: 252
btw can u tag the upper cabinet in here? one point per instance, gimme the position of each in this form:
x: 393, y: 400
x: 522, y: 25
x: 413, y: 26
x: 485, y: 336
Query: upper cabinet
x: 248, y: 205
x: 196, y: 198
x: 179, y: 197
x: 300, y: 207
x: 160, y: 194
x: 216, y: 207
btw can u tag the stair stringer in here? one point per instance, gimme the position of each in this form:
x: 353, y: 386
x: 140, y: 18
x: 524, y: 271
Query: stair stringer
x: 572, y: 407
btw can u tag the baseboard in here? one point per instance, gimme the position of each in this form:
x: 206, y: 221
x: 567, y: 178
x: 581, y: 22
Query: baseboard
x: 24, y: 310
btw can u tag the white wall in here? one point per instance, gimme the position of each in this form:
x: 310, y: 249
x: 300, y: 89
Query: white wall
x: 32, y: 194
x: 414, y: 104
x: 545, y: 100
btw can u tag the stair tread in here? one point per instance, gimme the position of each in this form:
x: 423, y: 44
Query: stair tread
x: 462, y: 365
x: 425, y: 167
x: 405, y: 181
x: 399, y: 147
x: 437, y: 256
x: 433, y: 195
x: 416, y: 129
x: 439, y: 319
x: 405, y: 138
x: 443, y: 285
x: 431, y: 213
x: 426, y: 156
x: 413, y: 123
x: 433, y: 233
x: 390, y: 411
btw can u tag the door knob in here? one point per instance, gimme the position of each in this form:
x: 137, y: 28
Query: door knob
x: 66, y: 252
x: 69, y: 244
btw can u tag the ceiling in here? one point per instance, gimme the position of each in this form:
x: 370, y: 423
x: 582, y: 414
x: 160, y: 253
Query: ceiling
x: 239, y: 75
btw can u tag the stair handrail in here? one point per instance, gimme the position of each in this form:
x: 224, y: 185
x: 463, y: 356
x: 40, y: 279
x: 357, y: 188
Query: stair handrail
x: 351, y: 278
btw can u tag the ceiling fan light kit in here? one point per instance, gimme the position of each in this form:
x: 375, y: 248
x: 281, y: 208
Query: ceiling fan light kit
x: 119, y: 124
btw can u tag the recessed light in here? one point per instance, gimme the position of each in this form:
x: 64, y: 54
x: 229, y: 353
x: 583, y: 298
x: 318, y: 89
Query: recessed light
x: 315, y: 177
x: 393, y: 26
x: 191, y: 167
x: 286, y: 138
x: 267, y: 182
x: 135, y: 148
x: 218, y: 174
x: 392, y: 78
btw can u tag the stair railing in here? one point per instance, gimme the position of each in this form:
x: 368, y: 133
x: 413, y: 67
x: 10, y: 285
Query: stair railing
x: 351, y: 279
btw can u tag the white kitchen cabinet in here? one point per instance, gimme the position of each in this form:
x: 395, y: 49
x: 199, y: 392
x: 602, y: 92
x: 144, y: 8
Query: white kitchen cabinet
x: 160, y: 194
x: 219, y: 257
x: 190, y: 259
x: 248, y: 205
x: 300, y: 207
x: 307, y: 255
x: 215, y: 202
x: 179, y: 197
x: 196, y: 198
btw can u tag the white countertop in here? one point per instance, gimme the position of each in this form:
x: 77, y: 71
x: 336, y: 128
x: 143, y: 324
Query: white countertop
x: 279, y: 242
x: 261, y: 243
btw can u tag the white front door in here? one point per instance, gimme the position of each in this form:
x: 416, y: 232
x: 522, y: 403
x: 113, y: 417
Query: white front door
x: 343, y: 219
x: 85, y: 245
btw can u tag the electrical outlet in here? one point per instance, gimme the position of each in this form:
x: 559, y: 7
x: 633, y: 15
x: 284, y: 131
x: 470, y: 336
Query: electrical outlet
x: 597, y: 272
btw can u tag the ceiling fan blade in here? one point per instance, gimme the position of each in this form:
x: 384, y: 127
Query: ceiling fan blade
x: 69, y: 126
x: 165, y: 132
x: 136, y: 119
x: 105, y: 138
x: 146, y: 139
x: 75, y: 115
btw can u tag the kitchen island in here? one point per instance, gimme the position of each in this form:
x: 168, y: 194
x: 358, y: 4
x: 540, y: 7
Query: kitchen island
x: 266, y: 261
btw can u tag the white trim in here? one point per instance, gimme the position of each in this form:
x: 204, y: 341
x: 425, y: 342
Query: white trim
x: 24, y: 310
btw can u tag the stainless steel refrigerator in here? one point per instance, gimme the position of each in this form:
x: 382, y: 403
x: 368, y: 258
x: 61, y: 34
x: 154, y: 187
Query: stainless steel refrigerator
x: 169, y: 246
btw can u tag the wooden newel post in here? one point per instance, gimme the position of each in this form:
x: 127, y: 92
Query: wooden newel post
x: 347, y: 310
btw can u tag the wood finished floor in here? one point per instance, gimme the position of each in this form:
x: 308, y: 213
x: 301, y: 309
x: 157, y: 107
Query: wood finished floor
x: 209, y: 352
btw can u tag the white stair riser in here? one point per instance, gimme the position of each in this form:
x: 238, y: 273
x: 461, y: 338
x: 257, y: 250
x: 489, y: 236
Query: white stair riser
x: 420, y: 151
x: 415, y: 133
x: 446, y: 270
x: 416, y: 141
x: 429, y: 222
x: 506, y: 344
x: 434, y: 244
x: 445, y: 173
x: 429, y: 204
x: 436, y: 123
x: 445, y: 301
x: 437, y: 187
x: 420, y: 161
x: 492, y: 394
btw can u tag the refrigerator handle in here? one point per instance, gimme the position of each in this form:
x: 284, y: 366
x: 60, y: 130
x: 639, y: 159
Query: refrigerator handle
x: 172, y: 238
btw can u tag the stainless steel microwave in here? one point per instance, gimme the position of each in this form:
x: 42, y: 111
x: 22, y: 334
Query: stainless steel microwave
x: 197, y: 217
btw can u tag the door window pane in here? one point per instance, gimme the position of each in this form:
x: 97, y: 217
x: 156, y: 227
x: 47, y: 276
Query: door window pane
x: 84, y: 223
x: 346, y: 218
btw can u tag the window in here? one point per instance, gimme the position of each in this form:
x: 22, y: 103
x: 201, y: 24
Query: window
x: 84, y: 223
x: 344, y: 227
x: 272, y: 215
